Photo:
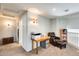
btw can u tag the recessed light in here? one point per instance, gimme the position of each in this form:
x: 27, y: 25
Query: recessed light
x: 54, y: 9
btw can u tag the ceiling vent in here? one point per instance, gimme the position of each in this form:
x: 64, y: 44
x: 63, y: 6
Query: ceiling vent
x: 66, y: 10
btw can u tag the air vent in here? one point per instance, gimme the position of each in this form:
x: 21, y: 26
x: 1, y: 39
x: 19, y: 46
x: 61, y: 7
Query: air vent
x: 66, y: 10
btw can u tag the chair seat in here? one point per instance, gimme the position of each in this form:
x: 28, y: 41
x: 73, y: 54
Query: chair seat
x: 61, y: 42
x: 56, y: 41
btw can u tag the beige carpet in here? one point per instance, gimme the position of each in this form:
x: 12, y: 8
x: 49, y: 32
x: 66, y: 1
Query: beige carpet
x: 15, y: 49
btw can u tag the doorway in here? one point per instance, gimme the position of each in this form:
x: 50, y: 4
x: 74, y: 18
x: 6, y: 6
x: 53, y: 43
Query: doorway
x: 8, y: 30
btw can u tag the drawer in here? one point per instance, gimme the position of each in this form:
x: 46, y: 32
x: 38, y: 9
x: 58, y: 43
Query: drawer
x: 7, y: 40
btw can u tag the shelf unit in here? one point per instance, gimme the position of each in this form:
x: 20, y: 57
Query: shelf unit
x: 63, y: 34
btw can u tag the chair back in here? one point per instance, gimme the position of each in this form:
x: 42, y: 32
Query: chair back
x: 51, y: 34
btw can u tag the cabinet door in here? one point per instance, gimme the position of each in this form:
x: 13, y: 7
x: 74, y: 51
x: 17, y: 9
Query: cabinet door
x: 63, y: 34
x: 7, y: 40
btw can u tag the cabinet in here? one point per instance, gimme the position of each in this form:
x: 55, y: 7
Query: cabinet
x: 7, y: 40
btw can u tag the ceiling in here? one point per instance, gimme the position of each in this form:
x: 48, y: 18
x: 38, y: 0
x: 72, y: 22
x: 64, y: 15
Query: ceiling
x: 45, y: 9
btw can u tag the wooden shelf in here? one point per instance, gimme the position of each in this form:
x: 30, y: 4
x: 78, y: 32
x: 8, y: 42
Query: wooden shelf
x: 63, y: 34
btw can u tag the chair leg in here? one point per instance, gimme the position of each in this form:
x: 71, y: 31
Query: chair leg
x: 64, y: 45
x: 60, y: 46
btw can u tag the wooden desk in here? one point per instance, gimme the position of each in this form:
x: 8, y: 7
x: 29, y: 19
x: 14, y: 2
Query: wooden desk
x: 44, y: 38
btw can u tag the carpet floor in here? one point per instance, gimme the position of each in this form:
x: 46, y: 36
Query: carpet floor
x: 15, y: 49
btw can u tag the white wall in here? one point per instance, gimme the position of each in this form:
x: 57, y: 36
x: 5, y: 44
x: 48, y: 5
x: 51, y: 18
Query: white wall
x: 73, y: 22
x: 23, y: 31
x: 57, y: 24
x: 53, y: 25
x: 20, y: 31
x: 7, y: 31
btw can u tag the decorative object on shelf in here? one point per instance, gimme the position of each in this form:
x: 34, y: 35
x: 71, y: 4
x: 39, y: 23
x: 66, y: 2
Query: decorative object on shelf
x: 63, y: 34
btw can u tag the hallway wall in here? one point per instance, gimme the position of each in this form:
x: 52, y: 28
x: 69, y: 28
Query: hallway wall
x: 7, y: 28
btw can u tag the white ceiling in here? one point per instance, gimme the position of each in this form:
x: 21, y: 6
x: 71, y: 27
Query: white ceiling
x: 45, y: 8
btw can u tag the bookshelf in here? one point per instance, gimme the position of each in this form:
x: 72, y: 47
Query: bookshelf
x: 63, y: 34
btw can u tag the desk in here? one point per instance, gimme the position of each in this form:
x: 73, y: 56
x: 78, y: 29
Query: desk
x: 44, y: 38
